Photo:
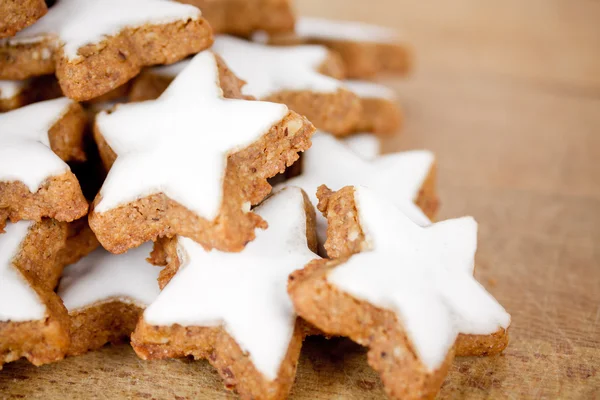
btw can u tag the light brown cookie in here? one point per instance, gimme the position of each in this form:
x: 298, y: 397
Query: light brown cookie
x: 404, y: 291
x: 18, y: 14
x: 93, y: 50
x: 243, y: 17
x: 33, y: 320
x: 365, y: 49
x: 212, y: 167
x: 230, y: 333
x: 36, y: 141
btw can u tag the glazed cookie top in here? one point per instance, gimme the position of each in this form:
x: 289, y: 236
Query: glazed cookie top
x: 247, y: 292
x: 398, y: 176
x: 18, y: 301
x: 366, y: 145
x: 367, y: 89
x: 25, y: 153
x: 271, y: 69
x: 81, y: 22
x: 309, y: 27
x: 10, y: 89
x: 102, y: 276
x: 179, y: 143
x: 424, y: 275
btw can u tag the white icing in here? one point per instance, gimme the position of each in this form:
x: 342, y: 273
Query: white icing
x: 271, y: 69
x: 81, y: 22
x: 171, y: 70
x: 309, y: 27
x: 397, y: 176
x: 366, y: 145
x: 25, y: 153
x: 179, y: 143
x: 103, y: 276
x: 366, y: 89
x: 422, y: 274
x: 10, y: 89
x: 18, y: 301
x: 245, y: 292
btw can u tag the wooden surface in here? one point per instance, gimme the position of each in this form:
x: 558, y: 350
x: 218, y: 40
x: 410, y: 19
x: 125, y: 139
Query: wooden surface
x: 507, y: 93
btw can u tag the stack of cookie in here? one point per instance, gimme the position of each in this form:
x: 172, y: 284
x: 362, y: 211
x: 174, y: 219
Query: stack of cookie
x: 183, y: 245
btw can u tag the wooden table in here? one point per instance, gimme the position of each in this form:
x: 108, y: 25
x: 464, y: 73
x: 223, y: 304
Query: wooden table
x: 507, y: 93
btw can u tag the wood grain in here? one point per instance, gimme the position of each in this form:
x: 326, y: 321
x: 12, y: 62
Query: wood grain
x: 507, y: 93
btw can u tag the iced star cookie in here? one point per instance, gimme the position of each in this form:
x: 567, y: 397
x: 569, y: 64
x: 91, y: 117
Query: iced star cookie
x: 33, y: 321
x: 243, y: 17
x: 305, y: 78
x: 243, y: 321
x: 192, y: 162
x: 105, y: 294
x: 35, y: 142
x: 407, y: 295
x: 380, y: 111
x: 347, y: 237
x: 366, y: 49
x: 404, y: 178
x: 94, y: 49
x: 18, y: 14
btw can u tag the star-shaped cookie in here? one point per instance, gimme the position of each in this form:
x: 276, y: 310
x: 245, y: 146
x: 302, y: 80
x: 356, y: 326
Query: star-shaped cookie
x: 404, y: 177
x: 96, y: 46
x: 233, y: 308
x: 105, y: 294
x: 192, y: 162
x: 406, y: 296
x: 35, y: 142
x: 33, y: 321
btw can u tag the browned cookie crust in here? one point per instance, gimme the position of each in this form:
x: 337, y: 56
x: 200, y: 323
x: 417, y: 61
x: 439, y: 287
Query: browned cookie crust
x: 243, y: 17
x: 59, y: 197
x: 80, y: 242
x: 245, y: 182
x: 345, y: 237
x: 107, y: 322
x: 428, y: 199
x: 46, y: 340
x: 337, y: 113
x: 39, y: 252
x: 390, y: 351
x: 18, y: 14
x: 107, y: 65
x: 379, y: 116
x: 222, y: 352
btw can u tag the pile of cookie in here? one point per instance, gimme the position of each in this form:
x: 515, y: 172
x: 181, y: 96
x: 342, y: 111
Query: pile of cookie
x: 138, y: 150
